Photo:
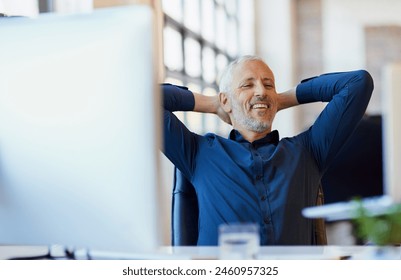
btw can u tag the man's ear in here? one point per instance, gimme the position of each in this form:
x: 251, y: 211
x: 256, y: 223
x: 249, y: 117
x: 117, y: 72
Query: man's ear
x: 225, y: 102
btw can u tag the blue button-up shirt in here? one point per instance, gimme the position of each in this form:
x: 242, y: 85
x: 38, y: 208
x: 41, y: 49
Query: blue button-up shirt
x: 269, y: 181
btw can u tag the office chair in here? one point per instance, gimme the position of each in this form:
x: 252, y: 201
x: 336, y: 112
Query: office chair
x: 185, y: 214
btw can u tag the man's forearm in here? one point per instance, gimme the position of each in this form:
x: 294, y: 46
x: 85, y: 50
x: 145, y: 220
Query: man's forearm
x: 206, y: 104
x: 287, y: 99
x: 210, y: 104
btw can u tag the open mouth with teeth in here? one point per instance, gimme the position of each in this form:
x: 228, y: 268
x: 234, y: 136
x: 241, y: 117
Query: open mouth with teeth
x: 260, y: 106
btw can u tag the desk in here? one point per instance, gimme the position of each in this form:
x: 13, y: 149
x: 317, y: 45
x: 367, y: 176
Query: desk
x: 293, y: 252
x: 7, y: 252
x: 202, y: 252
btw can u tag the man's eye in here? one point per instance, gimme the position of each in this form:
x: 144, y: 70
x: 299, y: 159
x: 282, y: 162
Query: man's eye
x: 268, y: 86
x: 246, y: 85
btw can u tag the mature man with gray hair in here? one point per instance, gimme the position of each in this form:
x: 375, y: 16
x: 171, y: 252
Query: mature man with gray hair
x: 253, y: 176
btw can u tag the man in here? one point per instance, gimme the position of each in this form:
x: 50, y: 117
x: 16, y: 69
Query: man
x: 253, y: 176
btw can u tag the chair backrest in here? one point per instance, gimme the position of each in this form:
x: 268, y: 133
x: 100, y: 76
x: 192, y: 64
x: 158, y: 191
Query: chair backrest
x: 319, y: 225
x: 185, y: 214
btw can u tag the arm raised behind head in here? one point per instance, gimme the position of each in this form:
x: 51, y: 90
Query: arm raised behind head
x: 287, y: 99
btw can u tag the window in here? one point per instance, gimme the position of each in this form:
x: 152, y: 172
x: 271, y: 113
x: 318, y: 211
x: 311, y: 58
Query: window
x: 200, y: 38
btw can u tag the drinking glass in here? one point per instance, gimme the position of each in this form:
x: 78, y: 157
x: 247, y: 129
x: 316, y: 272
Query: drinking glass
x: 239, y: 241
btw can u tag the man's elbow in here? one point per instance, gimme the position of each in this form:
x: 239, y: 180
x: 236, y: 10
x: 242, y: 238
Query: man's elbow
x: 365, y: 81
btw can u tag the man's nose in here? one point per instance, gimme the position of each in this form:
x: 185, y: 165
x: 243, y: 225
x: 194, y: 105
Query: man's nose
x: 260, y: 90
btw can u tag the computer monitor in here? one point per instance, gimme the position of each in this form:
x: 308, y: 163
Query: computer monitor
x: 80, y: 131
x: 391, y: 117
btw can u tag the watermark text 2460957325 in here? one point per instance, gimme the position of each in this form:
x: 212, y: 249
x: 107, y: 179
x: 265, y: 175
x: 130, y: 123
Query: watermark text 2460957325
x: 217, y: 270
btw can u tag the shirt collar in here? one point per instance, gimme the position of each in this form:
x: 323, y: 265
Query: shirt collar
x: 270, y: 138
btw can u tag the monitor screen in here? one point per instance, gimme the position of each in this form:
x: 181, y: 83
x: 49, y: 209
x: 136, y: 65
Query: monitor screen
x: 79, y: 131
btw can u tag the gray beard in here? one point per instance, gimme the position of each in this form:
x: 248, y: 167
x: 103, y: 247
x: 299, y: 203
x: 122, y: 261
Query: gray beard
x: 248, y: 122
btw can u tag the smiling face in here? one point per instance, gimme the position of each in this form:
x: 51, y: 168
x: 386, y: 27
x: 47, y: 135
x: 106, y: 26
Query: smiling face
x: 252, y: 101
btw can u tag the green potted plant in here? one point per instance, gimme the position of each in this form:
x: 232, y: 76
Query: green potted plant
x: 382, y: 230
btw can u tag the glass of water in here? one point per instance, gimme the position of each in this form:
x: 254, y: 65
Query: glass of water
x: 239, y: 241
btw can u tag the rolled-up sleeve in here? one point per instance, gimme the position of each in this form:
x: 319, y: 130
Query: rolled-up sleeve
x: 177, y: 98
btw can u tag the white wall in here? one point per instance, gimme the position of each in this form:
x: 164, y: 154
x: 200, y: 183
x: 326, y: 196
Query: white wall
x: 343, y: 33
x: 343, y: 23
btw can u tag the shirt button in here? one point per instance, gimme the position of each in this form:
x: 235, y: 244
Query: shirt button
x: 263, y: 197
x: 266, y: 220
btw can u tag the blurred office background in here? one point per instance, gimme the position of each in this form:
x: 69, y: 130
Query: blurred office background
x: 297, y: 38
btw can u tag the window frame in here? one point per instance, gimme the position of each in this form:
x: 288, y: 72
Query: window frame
x: 182, y: 74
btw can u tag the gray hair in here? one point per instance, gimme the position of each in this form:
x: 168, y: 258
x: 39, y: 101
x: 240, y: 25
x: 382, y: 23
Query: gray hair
x: 226, y: 78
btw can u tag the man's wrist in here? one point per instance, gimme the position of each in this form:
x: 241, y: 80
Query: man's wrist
x: 206, y: 104
x: 287, y: 99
